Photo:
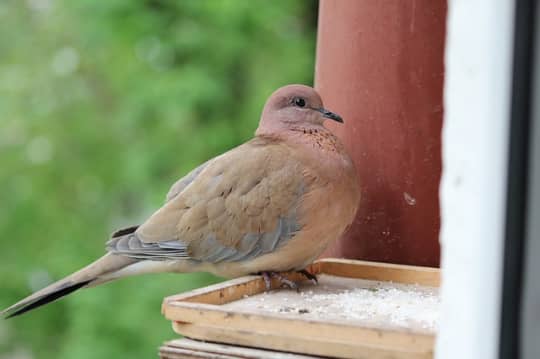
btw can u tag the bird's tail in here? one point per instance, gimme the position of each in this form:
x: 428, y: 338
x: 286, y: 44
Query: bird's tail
x: 100, y: 271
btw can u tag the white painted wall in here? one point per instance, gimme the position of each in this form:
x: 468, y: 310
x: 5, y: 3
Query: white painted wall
x: 479, y: 48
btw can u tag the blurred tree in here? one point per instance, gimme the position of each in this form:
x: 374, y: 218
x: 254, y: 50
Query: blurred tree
x: 103, y: 105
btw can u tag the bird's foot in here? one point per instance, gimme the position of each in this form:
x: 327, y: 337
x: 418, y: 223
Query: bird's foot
x: 312, y: 277
x: 267, y: 280
x: 284, y: 282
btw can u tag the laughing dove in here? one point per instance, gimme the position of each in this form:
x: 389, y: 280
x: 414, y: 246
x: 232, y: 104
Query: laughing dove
x: 270, y: 205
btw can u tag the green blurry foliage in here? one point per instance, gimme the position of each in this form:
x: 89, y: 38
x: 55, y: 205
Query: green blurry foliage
x: 103, y: 105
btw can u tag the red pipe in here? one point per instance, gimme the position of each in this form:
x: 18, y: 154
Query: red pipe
x: 380, y: 66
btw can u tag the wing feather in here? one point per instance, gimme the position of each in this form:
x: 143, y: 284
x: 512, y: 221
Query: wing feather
x: 235, y: 207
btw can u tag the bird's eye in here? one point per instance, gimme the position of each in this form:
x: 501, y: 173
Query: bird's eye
x: 299, y: 101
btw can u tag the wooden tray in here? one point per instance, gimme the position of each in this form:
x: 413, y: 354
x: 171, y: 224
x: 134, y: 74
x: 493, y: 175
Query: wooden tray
x: 217, y: 313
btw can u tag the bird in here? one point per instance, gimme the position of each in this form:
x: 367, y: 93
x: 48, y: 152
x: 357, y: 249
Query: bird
x: 271, y: 205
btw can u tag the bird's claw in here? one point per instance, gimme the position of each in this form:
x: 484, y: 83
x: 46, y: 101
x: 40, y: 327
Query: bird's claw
x: 284, y: 282
x: 312, y: 277
x: 267, y: 281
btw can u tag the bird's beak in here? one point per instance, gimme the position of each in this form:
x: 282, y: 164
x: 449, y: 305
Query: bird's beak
x: 330, y: 115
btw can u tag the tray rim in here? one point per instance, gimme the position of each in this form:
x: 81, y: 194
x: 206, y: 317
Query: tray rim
x: 202, y: 312
x: 321, y: 266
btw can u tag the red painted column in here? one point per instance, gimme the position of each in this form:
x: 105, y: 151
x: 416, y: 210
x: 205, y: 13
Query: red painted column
x: 380, y: 66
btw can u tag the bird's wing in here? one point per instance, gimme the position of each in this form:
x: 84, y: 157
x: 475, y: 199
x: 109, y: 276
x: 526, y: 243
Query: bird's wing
x: 242, y: 204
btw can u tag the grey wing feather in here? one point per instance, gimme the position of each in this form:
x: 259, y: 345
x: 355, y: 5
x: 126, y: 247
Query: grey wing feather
x: 250, y: 246
x: 130, y: 245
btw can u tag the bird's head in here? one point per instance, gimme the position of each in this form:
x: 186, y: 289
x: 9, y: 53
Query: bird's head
x: 294, y: 106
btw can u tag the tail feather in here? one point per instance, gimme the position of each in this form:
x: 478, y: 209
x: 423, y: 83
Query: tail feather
x: 44, y: 299
x: 100, y: 271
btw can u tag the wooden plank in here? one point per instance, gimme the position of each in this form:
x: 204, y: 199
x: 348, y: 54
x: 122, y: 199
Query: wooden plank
x: 229, y: 291
x: 386, y: 272
x: 206, y: 315
x: 220, y: 351
x: 180, y: 353
x: 299, y: 343
x: 217, y: 294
